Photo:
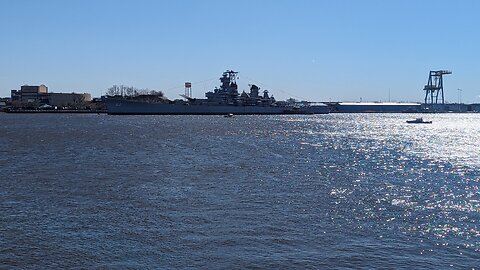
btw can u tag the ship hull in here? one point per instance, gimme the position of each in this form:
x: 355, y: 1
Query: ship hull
x: 128, y: 107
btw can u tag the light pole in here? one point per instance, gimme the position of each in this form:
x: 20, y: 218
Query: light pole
x: 459, y: 98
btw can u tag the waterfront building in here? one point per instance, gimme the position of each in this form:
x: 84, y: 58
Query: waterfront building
x: 3, y: 103
x: 70, y: 100
x: 373, y: 107
x: 35, y: 96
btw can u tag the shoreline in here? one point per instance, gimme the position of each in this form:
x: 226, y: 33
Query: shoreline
x: 56, y: 111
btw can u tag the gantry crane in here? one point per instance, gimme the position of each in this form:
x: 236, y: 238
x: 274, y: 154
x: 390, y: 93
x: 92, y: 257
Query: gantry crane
x: 434, y: 88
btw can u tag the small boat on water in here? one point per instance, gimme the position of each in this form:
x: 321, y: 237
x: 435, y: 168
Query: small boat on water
x: 419, y: 121
x: 229, y: 115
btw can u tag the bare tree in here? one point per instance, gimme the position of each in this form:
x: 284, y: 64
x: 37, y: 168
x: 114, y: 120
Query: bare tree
x: 113, y: 91
x: 130, y: 91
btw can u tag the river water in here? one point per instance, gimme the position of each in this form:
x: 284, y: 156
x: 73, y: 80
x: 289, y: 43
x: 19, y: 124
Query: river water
x: 318, y: 191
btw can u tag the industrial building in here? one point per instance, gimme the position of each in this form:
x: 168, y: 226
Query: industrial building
x: 373, y: 107
x: 35, y: 96
x: 73, y: 100
x: 29, y: 94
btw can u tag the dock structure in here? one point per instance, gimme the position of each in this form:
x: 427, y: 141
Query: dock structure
x: 434, y: 88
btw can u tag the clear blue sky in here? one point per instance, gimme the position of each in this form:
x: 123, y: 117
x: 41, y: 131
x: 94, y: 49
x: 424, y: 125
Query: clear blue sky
x: 340, y: 50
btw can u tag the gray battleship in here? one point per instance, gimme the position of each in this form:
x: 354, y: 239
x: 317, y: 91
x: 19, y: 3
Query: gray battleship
x: 223, y: 100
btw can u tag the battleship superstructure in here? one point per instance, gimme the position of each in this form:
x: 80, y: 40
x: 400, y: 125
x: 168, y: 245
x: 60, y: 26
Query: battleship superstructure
x: 223, y: 100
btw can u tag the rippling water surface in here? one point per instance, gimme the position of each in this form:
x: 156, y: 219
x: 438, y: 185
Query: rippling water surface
x: 324, y: 191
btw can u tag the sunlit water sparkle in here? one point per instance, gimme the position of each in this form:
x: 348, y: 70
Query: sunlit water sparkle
x: 323, y: 191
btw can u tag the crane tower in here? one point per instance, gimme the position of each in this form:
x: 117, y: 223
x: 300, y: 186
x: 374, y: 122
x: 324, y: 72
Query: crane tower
x: 434, y: 88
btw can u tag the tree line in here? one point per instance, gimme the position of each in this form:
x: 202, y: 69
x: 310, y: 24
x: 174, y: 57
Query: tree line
x: 130, y: 91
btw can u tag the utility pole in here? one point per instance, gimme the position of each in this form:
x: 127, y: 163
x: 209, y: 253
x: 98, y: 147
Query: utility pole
x: 459, y: 98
